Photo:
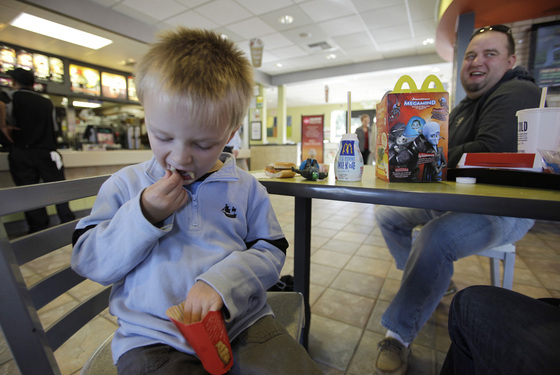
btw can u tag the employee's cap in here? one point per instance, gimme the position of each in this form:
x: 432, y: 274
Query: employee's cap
x: 22, y: 76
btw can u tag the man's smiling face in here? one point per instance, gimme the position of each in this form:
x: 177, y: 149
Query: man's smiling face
x: 485, y: 63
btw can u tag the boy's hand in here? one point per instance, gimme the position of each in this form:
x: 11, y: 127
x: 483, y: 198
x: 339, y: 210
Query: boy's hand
x: 201, y: 299
x: 161, y: 199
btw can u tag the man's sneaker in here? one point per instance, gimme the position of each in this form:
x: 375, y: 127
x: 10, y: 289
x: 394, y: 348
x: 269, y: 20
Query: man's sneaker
x: 451, y: 289
x: 392, y: 357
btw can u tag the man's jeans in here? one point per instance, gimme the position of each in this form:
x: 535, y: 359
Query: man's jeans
x: 428, y: 263
x: 496, y: 331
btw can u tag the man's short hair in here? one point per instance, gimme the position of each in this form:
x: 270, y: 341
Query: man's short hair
x: 364, y: 115
x: 501, y: 29
x: 22, y: 76
x: 201, y: 70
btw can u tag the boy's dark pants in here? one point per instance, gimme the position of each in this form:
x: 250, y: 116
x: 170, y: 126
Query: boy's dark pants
x: 262, y: 349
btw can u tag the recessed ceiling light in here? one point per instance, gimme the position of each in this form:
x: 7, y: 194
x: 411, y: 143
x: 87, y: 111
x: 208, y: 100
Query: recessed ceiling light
x: 55, y: 30
x: 128, y: 62
x: 279, y: 65
x: 331, y: 56
x: 286, y: 20
x: 428, y: 41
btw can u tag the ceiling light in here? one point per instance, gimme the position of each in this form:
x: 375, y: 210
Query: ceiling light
x: 279, y: 65
x: 428, y: 41
x: 77, y: 103
x: 55, y: 30
x: 331, y: 56
x: 286, y: 20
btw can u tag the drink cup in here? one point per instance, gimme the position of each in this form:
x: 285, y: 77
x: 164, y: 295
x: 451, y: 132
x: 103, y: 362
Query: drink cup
x: 538, y: 128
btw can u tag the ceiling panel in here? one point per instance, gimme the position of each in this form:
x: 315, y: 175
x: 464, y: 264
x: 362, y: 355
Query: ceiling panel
x: 191, y: 19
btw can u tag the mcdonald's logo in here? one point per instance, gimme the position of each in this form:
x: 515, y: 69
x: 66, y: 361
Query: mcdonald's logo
x: 347, y: 148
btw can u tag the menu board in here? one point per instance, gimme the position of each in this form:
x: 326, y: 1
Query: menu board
x: 25, y: 60
x: 113, y: 85
x: 132, y: 89
x: 56, y: 67
x: 41, y: 66
x: 7, y: 59
x: 46, y: 68
x: 84, y: 80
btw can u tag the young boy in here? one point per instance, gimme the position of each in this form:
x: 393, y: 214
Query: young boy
x: 188, y: 225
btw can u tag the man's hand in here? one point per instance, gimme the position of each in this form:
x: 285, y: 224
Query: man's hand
x: 201, y: 299
x: 164, y: 197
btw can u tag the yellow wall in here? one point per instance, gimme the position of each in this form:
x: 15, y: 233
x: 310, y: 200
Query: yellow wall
x: 297, y: 112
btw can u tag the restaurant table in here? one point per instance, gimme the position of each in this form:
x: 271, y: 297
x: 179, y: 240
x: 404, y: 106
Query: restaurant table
x: 534, y: 203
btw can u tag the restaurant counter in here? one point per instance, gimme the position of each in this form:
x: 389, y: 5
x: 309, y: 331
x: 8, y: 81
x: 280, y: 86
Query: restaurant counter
x: 79, y: 164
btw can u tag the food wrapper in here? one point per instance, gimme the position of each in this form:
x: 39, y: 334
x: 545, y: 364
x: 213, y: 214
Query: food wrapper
x: 208, y: 338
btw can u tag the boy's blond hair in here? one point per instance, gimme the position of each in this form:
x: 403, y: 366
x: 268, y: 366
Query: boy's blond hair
x: 198, y: 70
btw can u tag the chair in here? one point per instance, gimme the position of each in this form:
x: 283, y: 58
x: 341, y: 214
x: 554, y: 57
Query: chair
x: 504, y: 253
x: 33, y: 345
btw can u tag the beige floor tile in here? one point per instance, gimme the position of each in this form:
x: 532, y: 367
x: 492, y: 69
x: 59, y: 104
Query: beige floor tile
x: 358, y: 283
x: 330, y: 258
x: 374, y: 251
x: 368, y: 266
x: 349, y: 235
x: 344, y: 307
x: 332, y: 342
x: 363, y: 362
x: 341, y: 246
x: 323, y: 275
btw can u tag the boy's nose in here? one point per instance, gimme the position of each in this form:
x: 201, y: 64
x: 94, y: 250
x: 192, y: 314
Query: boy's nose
x: 183, y: 156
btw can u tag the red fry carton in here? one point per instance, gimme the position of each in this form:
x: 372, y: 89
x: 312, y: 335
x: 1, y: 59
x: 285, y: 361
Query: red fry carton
x: 208, y: 338
x: 412, y: 132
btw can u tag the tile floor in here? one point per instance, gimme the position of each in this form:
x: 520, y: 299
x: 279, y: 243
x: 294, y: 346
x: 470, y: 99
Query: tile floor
x: 353, y: 279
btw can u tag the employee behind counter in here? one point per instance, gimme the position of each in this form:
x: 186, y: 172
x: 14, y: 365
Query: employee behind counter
x: 27, y: 124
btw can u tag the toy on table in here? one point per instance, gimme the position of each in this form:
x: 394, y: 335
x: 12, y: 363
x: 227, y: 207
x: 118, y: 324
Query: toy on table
x: 310, y: 170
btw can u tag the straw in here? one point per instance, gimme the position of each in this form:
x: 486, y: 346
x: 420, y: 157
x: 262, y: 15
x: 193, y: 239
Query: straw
x: 349, y: 119
x: 543, y: 96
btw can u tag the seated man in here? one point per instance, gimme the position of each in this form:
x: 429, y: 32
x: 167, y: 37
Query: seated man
x: 485, y: 121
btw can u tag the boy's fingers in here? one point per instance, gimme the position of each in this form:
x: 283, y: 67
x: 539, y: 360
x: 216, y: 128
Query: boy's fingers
x: 192, y: 316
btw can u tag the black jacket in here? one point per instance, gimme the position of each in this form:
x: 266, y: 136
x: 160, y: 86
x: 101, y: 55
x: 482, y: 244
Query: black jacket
x: 34, y: 115
x: 489, y: 123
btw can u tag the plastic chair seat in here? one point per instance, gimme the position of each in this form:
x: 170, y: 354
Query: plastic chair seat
x: 504, y: 253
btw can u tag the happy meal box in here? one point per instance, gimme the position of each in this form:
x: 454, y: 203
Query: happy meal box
x: 412, y: 132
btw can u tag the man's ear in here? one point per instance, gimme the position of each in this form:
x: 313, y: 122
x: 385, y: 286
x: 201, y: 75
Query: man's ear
x: 511, y: 61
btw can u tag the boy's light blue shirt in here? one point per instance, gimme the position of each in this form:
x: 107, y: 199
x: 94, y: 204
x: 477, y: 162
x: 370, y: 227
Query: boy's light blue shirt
x: 225, y: 235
